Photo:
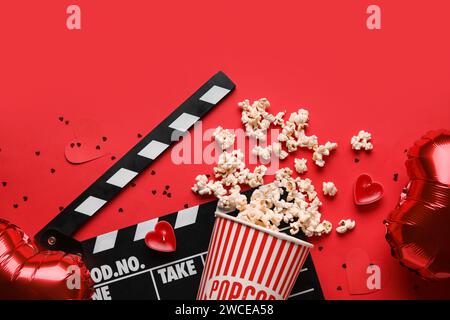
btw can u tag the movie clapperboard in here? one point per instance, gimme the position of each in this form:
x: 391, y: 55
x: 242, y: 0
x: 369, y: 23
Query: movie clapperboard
x: 124, y: 268
x: 121, y: 264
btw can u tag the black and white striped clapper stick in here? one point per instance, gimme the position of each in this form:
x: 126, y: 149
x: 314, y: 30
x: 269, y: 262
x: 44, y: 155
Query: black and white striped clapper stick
x: 57, y: 235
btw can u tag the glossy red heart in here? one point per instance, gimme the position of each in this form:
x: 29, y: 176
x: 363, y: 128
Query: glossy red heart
x: 366, y: 191
x: 162, y: 238
x: 27, y: 273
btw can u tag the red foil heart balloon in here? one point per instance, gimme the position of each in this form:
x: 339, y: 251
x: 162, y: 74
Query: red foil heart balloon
x: 26, y: 273
x: 366, y: 191
x: 418, y: 228
x: 162, y: 238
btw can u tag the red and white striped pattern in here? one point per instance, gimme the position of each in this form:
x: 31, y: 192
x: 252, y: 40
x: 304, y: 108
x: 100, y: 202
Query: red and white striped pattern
x: 247, y: 263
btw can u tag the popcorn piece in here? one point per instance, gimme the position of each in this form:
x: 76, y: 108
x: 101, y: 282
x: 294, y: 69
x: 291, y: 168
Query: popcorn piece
x: 255, y: 178
x: 329, y: 189
x: 300, y: 165
x: 278, y: 119
x: 205, y: 187
x: 229, y: 163
x: 278, y: 151
x: 323, y: 150
x: 300, y: 118
x: 256, y: 119
x: 224, y: 137
x: 262, y: 152
x: 362, y: 141
x: 345, y: 225
x: 235, y: 200
x: 305, y: 141
x: 201, y: 185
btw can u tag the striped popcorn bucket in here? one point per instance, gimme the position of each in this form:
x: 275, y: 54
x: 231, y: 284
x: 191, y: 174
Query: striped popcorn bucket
x: 249, y: 262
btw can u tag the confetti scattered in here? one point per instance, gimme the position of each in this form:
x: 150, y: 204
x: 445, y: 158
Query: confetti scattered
x: 154, y: 192
x: 356, y: 160
x: 37, y: 153
x: 120, y: 210
x: 395, y: 177
x: 52, y: 170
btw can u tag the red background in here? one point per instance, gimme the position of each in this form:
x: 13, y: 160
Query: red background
x: 133, y: 62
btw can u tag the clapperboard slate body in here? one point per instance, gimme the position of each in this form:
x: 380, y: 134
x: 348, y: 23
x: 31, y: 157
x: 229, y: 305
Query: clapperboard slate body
x: 123, y: 267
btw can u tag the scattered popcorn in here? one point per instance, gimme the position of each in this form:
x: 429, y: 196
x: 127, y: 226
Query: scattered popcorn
x: 362, y: 141
x: 287, y: 200
x: 345, y: 225
x: 323, y: 150
x: 329, y: 189
x: 300, y: 165
x: 224, y: 138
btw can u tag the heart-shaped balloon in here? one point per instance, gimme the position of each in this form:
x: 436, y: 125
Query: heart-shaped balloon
x: 418, y: 228
x: 162, y: 238
x: 366, y: 191
x: 27, y: 273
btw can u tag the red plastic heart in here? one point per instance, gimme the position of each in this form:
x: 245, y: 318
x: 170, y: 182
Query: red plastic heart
x: 366, y: 191
x: 162, y: 238
x: 27, y: 273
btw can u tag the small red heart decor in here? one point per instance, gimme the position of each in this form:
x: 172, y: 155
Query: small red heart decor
x: 162, y: 238
x: 27, y: 273
x: 366, y: 191
x: 88, y: 143
x: 357, y: 270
